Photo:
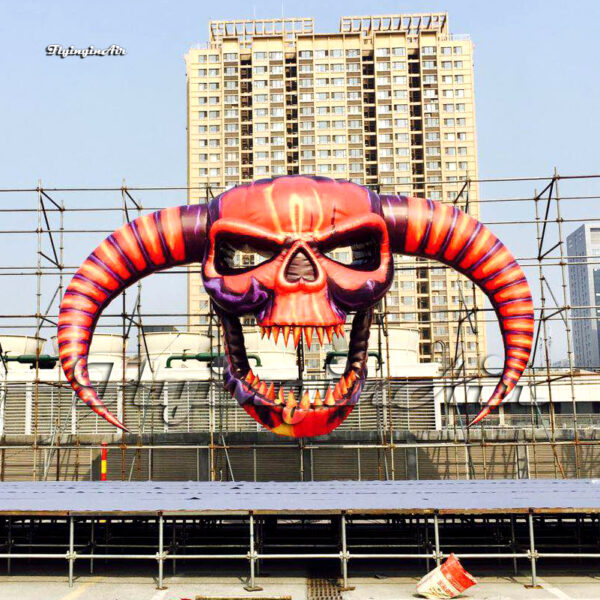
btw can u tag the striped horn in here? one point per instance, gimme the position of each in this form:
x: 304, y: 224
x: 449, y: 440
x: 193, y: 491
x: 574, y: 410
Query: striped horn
x: 442, y: 232
x: 154, y: 242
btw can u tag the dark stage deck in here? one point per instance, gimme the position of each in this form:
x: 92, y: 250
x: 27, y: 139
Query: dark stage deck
x: 352, y: 497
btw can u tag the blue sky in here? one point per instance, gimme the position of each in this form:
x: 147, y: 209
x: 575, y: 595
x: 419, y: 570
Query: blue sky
x: 96, y: 121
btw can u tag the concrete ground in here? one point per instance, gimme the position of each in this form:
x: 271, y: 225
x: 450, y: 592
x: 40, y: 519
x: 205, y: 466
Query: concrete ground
x: 124, y: 587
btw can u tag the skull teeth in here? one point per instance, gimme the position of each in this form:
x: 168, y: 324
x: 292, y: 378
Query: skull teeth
x: 333, y: 396
x: 297, y: 333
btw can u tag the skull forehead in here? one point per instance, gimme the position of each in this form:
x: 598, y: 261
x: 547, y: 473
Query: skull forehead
x: 295, y: 204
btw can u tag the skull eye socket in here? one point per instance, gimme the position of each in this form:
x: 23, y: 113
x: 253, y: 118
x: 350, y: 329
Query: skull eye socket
x: 235, y: 255
x: 359, y: 251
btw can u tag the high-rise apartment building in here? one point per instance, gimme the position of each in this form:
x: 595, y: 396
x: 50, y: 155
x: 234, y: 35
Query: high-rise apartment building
x: 583, y: 246
x: 386, y: 102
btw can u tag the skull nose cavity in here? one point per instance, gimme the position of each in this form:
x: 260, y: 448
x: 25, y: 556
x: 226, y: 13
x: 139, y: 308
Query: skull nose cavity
x: 300, y: 266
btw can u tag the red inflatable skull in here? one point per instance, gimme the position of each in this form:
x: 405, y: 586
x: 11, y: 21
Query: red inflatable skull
x: 323, y: 251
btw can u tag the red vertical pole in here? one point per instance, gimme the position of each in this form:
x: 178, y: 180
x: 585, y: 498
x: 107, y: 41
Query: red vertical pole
x: 103, y: 462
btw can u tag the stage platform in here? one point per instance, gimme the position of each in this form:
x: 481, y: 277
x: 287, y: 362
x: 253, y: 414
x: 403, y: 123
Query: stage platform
x: 410, y: 522
x: 301, y: 498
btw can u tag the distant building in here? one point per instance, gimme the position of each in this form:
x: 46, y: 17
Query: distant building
x: 386, y: 101
x: 583, y: 245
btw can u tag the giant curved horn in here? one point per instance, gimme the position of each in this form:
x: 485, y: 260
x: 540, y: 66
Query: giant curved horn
x: 154, y: 242
x: 442, y: 232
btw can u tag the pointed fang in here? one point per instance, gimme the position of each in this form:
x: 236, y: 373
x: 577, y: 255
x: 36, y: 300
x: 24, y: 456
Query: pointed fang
x: 276, y: 332
x: 308, y: 333
x: 342, y: 387
x: 291, y: 400
x: 286, y: 333
x: 318, y: 400
x: 280, y: 396
x: 297, y: 336
x: 305, y: 402
x: 271, y: 392
x: 329, y: 399
x: 320, y: 334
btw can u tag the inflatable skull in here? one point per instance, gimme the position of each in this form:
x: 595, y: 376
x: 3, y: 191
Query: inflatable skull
x: 321, y: 249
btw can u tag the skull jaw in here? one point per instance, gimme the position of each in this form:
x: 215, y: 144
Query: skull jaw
x: 309, y: 423
x: 295, y: 420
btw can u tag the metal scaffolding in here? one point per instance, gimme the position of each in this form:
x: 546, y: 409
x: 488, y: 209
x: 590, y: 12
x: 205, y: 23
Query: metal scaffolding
x: 388, y: 438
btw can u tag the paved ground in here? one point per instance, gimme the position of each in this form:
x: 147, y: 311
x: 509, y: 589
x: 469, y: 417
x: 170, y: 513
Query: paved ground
x: 122, y: 587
